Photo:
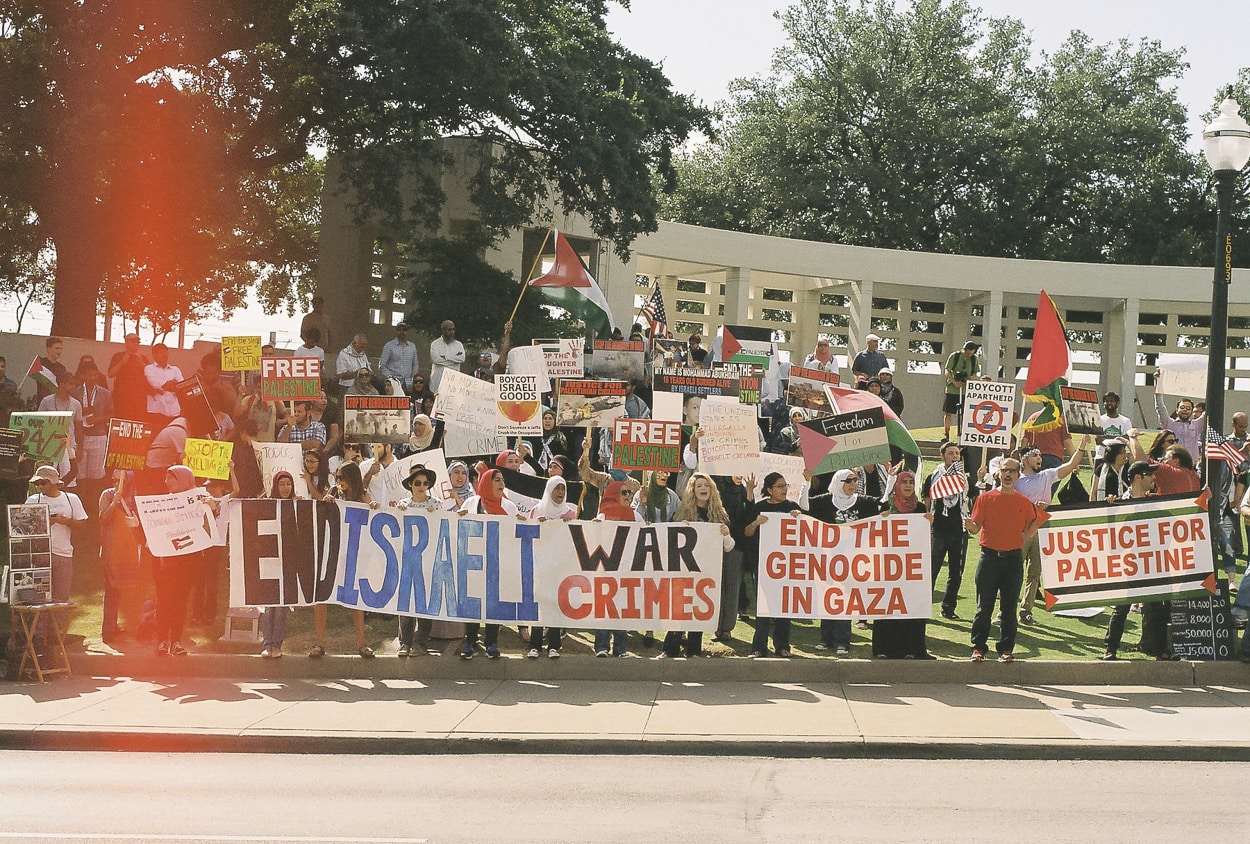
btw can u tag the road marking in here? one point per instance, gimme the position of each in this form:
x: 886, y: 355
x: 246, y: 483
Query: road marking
x: 117, y: 836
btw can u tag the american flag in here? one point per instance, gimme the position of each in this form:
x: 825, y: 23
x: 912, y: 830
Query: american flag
x: 952, y: 482
x: 1219, y: 448
x: 654, y: 311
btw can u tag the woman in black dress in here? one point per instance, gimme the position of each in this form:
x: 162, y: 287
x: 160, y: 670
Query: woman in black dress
x: 902, y: 638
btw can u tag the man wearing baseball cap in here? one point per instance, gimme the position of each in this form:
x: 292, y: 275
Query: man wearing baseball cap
x: 960, y: 367
x: 870, y: 361
x: 1141, y: 483
x: 64, y: 510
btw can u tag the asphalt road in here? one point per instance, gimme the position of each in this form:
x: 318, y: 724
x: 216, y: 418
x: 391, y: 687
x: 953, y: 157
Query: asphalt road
x: 138, y: 797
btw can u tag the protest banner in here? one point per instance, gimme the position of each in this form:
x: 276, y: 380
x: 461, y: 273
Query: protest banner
x: 646, y: 444
x: 240, y: 354
x: 845, y: 441
x: 377, y: 419
x: 208, y: 458
x: 464, y: 403
x: 621, y: 360
x: 806, y: 389
x: 290, y: 379
x: 790, y: 466
x: 518, y: 405
x: 278, y: 457
x: 694, y: 382
x: 1151, y: 549
x: 127, y: 445
x: 987, y: 414
x: 195, y: 409
x: 10, y: 453
x: 1182, y: 375
x: 1080, y: 410
x: 566, y: 357
x: 45, y: 433
x: 746, y: 344
x: 750, y: 378
x: 586, y: 403
x: 730, y: 443
x: 874, y: 568
x: 178, y: 523
x: 529, y: 360
x: 591, y: 575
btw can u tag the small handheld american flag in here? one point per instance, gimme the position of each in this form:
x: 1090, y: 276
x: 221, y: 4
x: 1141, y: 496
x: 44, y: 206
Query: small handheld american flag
x: 952, y: 482
x: 1220, y: 449
x: 654, y: 311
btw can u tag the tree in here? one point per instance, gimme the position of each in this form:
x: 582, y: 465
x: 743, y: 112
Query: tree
x: 924, y: 126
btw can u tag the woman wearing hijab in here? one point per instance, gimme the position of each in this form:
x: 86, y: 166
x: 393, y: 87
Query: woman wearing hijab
x: 787, y: 439
x: 550, y: 443
x: 841, y: 505
x: 173, y: 578
x: 701, y: 503
x: 655, y: 501
x: 351, y: 487
x: 489, y: 500
x: 458, y: 478
x: 273, y: 620
x: 554, y: 506
x: 615, y: 505
x: 424, y: 436
x: 422, y: 397
x: 902, y: 638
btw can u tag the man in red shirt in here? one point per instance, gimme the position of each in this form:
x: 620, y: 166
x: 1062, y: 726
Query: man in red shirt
x: 1008, y: 519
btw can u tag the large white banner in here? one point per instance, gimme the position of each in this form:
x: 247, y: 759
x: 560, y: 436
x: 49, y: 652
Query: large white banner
x: 592, y: 575
x: 874, y: 568
x: 1182, y: 375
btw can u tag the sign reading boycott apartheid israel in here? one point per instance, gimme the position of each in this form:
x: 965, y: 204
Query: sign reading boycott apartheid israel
x: 646, y: 444
x: 1153, y: 549
x: 592, y: 575
x: 283, y: 379
x: 875, y: 568
x: 988, y: 406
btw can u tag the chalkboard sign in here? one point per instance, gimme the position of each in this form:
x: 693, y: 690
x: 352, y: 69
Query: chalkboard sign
x: 1202, y: 628
x: 10, y: 453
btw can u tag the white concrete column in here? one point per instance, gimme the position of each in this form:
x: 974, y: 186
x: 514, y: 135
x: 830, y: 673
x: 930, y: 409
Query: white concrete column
x: 991, y: 336
x: 860, y: 308
x: 737, y: 298
x: 1129, y: 321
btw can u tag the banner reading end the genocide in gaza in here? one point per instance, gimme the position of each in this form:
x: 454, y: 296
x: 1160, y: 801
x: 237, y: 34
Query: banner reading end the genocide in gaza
x: 871, y: 569
x: 1152, y: 549
x: 592, y: 575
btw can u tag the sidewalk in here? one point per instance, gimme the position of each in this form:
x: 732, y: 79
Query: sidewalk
x: 841, y: 708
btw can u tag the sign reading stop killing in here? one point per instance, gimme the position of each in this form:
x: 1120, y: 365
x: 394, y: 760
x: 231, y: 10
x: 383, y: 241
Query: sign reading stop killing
x: 988, y: 406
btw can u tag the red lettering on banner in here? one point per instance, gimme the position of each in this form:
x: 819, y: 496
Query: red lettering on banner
x: 577, y: 582
x: 605, y: 597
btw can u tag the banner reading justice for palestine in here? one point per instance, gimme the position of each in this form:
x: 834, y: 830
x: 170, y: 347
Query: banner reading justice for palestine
x: 592, y: 575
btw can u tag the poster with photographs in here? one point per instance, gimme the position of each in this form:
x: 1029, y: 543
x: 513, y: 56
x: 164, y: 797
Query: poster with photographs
x: 621, y: 360
x: 30, y: 554
x: 584, y: 403
x: 669, y: 353
x: 1081, y: 411
x: 807, y: 390
x: 377, y: 419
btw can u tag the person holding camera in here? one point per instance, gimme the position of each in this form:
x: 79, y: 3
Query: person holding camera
x: 960, y: 366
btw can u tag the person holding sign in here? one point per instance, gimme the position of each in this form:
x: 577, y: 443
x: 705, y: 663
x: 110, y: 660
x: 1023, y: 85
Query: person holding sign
x: 273, y: 620
x: 701, y: 503
x: 351, y: 487
x: 490, y: 500
x: 947, y: 488
x: 902, y: 638
x: 173, y: 578
x: 775, y: 501
x: 419, y: 483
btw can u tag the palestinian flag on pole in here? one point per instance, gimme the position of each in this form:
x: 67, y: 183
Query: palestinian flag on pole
x: 1049, y: 362
x: 46, y: 378
x: 569, y: 285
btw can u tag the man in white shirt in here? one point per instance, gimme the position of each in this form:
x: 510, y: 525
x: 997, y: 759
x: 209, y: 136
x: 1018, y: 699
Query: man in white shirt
x: 399, y: 358
x: 351, y: 360
x: 64, y: 510
x: 63, y: 400
x: 446, y: 352
x: 1113, y: 425
x: 381, y: 476
x: 162, y: 377
x: 312, y: 345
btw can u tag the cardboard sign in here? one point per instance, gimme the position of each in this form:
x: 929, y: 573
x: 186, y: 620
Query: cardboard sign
x: 240, y: 354
x: 730, y: 441
x: 845, y: 441
x: 791, y: 466
x: 529, y: 360
x: 178, y: 523
x: 1182, y: 375
x: 589, y: 402
x: 208, y: 458
x: 518, y: 406
x: 1080, y: 410
x: 875, y: 568
x: 646, y: 444
x: 465, y: 403
x: 566, y: 358
x: 46, y: 433
x: 290, y: 379
x: 619, y: 359
x: 10, y: 453
x: 377, y: 419
x: 988, y: 408
x: 279, y: 457
x: 128, y: 444
x: 434, y: 460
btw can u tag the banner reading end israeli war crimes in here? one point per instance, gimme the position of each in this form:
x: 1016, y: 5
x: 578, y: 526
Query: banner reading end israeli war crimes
x: 1153, y: 549
x: 592, y: 575
x: 874, y: 568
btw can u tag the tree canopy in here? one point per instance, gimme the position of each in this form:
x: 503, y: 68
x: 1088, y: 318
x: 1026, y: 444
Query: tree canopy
x: 930, y: 126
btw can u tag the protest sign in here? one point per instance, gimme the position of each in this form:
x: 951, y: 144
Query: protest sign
x: 127, y: 446
x: 566, y: 357
x: 806, y: 389
x: 240, y: 354
x: 618, y: 359
x: 791, y: 466
x: 208, y: 458
x: 278, y: 457
x: 750, y: 377
x: 746, y: 344
x: 290, y: 379
x: 730, y: 442
x: 845, y: 441
x: 377, y: 419
x: 1151, y: 549
x: 874, y: 568
x: 1204, y: 628
x: 666, y: 407
x: 646, y: 444
x: 529, y: 360
x: 465, y: 403
x: 10, y: 453
x: 694, y: 382
x: 589, y: 402
x: 1080, y: 410
x: 29, y: 574
x: 474, y: 568
x: 518, y: 409
x: 670, y: 353
x: 193, y: 401
x: 988, y: 408
x: 45, y: 433
x: 434, y: 460
x: 1182, y: 375
x: 178, y: 523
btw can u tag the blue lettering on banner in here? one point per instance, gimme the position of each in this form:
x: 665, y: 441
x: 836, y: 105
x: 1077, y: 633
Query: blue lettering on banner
x: 469, y: 607
x: 411, y: 575
x: 356, y: 518
x: 379, y: 524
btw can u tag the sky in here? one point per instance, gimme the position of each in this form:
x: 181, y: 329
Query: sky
x: 705, y: 44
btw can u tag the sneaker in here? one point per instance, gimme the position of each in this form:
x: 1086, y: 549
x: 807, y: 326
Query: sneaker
x: 757, y: 654
x: 842, y: 650
x: 1109, y: 656
x: 1027, y: 618
x: 533, y: 654
x: 1007, y: 657
x: 601, y: 654
x: 783, y: 654
x: 403, y: 651
x: 162, y: 649
x: 949, y: 614
x: 861, y: 625
x: 492, y: 652
x: 466, y: 651
x: 276, y: 653
x: 365, y: 652
x: 821, y: 646
x: 176, y: 649
x: 266, y: 654
x: 978, y: 655
x: 998, y: 618
x: 553, y: 654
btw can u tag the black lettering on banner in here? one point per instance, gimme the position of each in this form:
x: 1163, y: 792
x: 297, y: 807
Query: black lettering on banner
x: 681, y: 542
x: 590, y: 561
x: 648, y: 546
x: 295, y: 525
x: 259, y: 591
x: 328, y: 529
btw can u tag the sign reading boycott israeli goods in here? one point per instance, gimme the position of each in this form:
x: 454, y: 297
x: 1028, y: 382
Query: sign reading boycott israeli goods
x: 517, y: 403
x: 128, y: 444
x: 294, y: 378
x: 875, y: 568
x: 646, y: 444
x: 1153, y: 549
x: 208, y: 458
x: 474, y: 568
x: 988, y: 406
x: 46, y: 433
x: 240, y: 354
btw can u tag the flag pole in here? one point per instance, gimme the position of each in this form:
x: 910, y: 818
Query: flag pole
x: 530, y: 276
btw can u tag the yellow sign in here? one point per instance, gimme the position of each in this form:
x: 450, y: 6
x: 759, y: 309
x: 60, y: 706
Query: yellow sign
x: 240, y: 353
x: 209, y: 458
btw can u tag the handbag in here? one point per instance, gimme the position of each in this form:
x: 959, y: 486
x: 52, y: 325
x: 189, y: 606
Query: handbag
x: 1073, y: 492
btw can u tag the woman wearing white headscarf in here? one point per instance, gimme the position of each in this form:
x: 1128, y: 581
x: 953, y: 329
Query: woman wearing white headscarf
x: 554, y: 506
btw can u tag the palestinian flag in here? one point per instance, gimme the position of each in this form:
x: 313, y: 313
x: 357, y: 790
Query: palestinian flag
x: 847, y: 399
x: 527, y: 490
x: 1049, y: 362
x: 746, y: 344
x: 45, y: 378
x: 569, y: 285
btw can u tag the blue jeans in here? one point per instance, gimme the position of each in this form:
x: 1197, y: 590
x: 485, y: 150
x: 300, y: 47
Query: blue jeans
x: 273, y: 626
x: 998, y: 579
x: 617, y: 639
